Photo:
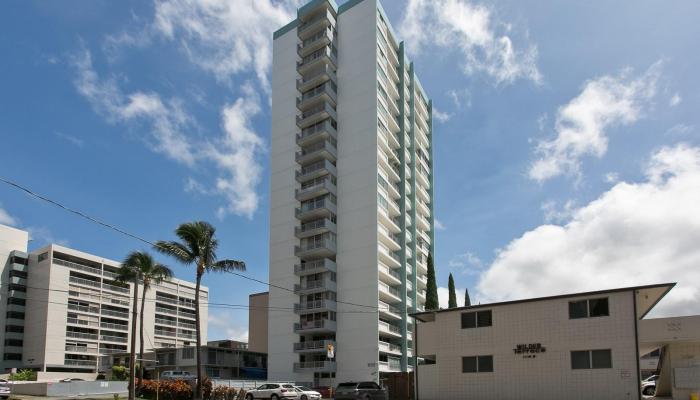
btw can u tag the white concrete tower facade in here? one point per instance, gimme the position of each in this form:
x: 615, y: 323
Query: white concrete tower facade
x: 351, y: 221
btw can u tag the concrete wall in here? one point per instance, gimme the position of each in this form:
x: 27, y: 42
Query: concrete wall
x: 64, y: 389
x: 357, y: 335
x: 257, y: 322
x: 281, y: 336
x: 547, y: 376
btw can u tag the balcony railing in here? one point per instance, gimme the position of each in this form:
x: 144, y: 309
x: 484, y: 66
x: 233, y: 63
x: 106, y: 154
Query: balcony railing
x: 81, y: 281
x: 313, y: 345
x: 119, y: 327
x: 387, y: 327
x: 115, y: 288
x: 166, y: 300
x: 74, y: 265
x: 83, y: 363
x: 80, y: 349
x: 166, y: 310
x: 315, y: 365
x: 162, y: 321
x: 315, y: 266
x: 81, y: 335
x: 76, y: 307
x: 110, y: 338
x: 113, y: 313
x: 76, y: 321
x: 314, y: 305
x: 317, y: 324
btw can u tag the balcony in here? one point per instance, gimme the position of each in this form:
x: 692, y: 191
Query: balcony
x: 118, y: 327
x: 388, y: 257
x: 389, y: 312
x: 81, y: 335
x: 423, y: 194
x: 316, y: 209
x: 310, y: 287
x: 118, y: 314
x: 317, y: 41
x: 317, y: 326
x: 82, y: 322
x: 316, y: 114
x: 75, y: 307
x: 80, y: 363
x: 393, y: 365
x: 389, y: 329
x: 115, y: 288
x: 315, y: 346
x: 81, y: 267
x: 423, y: 223
x: 317, y: 187
x: 314, y: 228
x: 322, y: 20
x: 167, y: 322
x: 319, y: 58
x: 315, y: 366
x: 390, y: 348
x: 388, y: 275
x: 388, y: 294
x: 422, y: 281
x: 164, y: 310
x: 81, y: 349
x: 315, y: 133
x: 315, y: 306
x: 17, y: 294
x: 84, y: 282
x: 315, y: 267
x: 315, y: 78
x: 315, y: 170
x: 324, y: 150
x: 390, y: 240
x: 110, y: 338
x: 324, y: 92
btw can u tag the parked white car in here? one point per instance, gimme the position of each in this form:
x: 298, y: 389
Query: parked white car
x: 175, y: 375
x: 305, y: 393
x: 4, y: 390
x: 273, y: 391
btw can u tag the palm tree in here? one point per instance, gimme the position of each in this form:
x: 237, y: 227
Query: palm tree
x: 149, y: 271
x: 128, y: 273
x: 198, y: 247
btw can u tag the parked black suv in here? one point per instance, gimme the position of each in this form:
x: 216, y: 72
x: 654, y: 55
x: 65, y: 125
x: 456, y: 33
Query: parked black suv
x: 360, y: 391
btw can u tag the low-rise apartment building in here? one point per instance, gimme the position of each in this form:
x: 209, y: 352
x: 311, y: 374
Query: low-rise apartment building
x: 577, y: 346
x: 66, y: 313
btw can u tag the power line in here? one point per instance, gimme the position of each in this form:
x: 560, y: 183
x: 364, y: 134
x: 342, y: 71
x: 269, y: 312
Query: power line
x: 133, y: 236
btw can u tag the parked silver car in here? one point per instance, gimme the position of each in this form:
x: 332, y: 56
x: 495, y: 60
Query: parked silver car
x: 360, y: 391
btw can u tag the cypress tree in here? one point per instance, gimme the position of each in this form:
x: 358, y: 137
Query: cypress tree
x: 452, y: 302
x: 431, y: 293
x: 467, y: 300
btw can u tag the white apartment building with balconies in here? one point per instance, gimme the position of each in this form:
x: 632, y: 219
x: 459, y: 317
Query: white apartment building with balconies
x: 66, y: 313
x: 351, y: 201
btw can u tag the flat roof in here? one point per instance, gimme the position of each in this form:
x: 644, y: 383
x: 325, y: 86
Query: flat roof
x: 657, y: 292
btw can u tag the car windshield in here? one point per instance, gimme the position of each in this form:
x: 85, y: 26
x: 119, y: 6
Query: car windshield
x: 347, y: 385
x: 304, y: 388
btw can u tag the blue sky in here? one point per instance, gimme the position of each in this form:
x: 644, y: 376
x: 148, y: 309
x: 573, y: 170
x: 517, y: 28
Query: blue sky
x: 566, y: 152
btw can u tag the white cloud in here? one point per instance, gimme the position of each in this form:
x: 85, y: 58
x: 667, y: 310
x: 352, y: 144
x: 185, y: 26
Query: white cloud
x: 235, y: 155
x: 679, y: 130
x: 224, y: 37
x: 635, y: 233
x: 675, y: 100
x: 469, y: 262
x: 482, y: 40
x: 460, y: 97
x: 220, y: 326
x: 6, y: 218
x: 440, y: 116
x: 439, y: 225
x: 553, y: 213
x: 444, y: 296
x: 581, y: 124
x: 70, y: 139
x: 166, y: 120
x: 612, y: 177
x: 41, y: 236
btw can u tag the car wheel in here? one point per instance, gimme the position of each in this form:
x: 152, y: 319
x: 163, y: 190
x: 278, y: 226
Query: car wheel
x: 249, y: 397
x: 303, y: 397
x: 649, y: 391
x: 275, y: 397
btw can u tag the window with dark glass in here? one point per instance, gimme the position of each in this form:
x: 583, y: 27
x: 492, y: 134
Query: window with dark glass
x: 598, y: 307
x: 473, y: 364
x: 476, y: 319
x: 587, y: 359
x: 601, y: 359
x: 580, y: 360
x: 578, y: 309
x: 468, y: 320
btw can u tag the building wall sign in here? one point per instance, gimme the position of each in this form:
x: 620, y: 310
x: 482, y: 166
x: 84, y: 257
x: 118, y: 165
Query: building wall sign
x: 529, y: 350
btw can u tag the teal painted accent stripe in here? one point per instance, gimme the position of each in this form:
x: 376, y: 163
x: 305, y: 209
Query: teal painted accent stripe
x: 432, y: 182
x: 281, y: 31
x: 412, y: 136
x: 402, y: 207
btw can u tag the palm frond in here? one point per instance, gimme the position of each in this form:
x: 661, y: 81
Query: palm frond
x: 227, y: 266
x: 177, y: 250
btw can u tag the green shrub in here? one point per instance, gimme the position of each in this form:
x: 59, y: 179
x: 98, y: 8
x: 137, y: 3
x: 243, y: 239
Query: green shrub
x: 23, y: 375
x: 119, y: 373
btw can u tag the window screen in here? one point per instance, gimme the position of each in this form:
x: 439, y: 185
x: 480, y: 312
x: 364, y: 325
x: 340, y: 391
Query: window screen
x: 601, y: 358
x: 483, y: 318
x: 468, y: 365
x: 485, y: 363
x: 580, y: 360
x: 598, y: 307
x: 578, y: 309
x: 468, y: 320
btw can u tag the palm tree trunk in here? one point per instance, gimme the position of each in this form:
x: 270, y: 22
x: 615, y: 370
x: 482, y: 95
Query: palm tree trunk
x: 198, y: 391
x: 143, y: 302
x: 132, y: 362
